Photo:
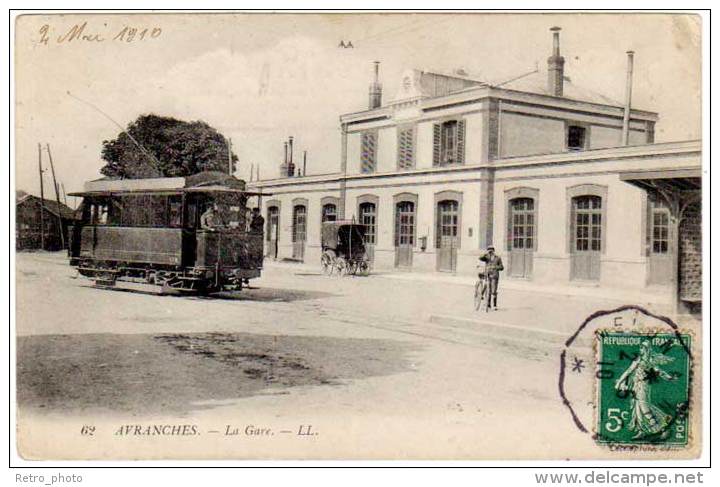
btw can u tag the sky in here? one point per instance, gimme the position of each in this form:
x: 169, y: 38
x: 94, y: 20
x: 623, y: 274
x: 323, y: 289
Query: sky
x: 259, y: 78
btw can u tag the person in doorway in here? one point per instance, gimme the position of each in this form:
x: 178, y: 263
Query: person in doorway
x: 257, y: 222
x: 209, y: 219
x: 493, y: 266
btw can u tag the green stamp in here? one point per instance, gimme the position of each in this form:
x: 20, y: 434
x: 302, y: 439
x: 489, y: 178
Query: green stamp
x: 643, y: 388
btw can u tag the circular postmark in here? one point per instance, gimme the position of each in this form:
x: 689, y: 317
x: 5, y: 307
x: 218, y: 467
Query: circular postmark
x: 625, y: 378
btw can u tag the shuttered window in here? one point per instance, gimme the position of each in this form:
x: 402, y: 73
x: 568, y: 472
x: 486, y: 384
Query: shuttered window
x: 368, y: 152
x: 406, y: 148
x: 449, y: 143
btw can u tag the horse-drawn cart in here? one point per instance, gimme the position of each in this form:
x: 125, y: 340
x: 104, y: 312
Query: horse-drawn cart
x: 343, y: 248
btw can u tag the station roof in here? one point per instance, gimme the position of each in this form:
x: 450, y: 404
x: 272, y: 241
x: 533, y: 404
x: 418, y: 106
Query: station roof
x: 684, y: 179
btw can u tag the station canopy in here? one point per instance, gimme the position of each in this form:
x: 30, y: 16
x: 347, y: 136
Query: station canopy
x: 674, y: 180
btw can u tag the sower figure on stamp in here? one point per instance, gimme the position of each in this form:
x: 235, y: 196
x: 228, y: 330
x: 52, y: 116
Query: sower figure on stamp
x: 647, y: 417
x: 493, y: 266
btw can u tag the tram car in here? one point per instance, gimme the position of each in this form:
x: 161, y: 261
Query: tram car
x: 160, y: 232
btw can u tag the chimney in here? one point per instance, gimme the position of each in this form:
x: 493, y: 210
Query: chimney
x: 375, y: 98
x: 628, y: 99
x: 556, y: 66
x: 291, y: 164
x: 284, y: 165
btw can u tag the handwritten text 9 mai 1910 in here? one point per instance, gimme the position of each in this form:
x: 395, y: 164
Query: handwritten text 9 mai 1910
x: 82, y: 33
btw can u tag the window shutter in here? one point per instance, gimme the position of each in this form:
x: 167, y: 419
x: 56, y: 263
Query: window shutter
x: 405, y: 149
x: 461, y: 142
x: 436, y: 144
x: 368, y: 152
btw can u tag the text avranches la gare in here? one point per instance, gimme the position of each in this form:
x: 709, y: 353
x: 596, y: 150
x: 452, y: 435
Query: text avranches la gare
x: 81, y: 32
x: 193, y: 430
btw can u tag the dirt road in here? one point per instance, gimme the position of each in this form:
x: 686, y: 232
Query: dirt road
x: 355, y: 359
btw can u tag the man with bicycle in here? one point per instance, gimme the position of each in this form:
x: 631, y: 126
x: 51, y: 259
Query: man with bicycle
x: 491, y: 276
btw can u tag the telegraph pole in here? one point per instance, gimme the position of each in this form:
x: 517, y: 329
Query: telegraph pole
x: 57, y: 196
x: 229, y: 148
x: 42, y: 200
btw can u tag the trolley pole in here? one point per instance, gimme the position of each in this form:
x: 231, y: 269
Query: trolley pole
x: 62, y: 187
x: 42, y: 200
x: 57, y: 196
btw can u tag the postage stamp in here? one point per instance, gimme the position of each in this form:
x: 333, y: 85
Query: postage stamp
x: 643, y: 388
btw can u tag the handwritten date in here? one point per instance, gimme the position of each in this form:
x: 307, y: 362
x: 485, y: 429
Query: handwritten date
x: 81, y: 33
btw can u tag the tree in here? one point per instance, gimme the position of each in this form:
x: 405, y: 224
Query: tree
x: 179, y: 148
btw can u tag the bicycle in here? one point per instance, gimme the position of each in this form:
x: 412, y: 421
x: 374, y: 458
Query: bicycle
x: 482, y: 292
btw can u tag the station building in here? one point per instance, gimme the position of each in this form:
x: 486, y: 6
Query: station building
x: 568, y: 186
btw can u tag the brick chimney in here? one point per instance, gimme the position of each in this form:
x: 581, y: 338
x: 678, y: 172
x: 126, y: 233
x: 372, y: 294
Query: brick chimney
x: 375, y: 97
x: 290, y: 164
x: 284, y: 165
x: 556, y: 66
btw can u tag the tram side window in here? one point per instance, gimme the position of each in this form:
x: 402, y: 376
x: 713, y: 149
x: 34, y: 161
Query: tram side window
x: 135, y: 211
x: 235, y: 212
x: 192, y: 214
x: 175, y: 211
x: 114, y: 212
x: 234, y: 216
x: 99, y: 214
x: 144, y: 211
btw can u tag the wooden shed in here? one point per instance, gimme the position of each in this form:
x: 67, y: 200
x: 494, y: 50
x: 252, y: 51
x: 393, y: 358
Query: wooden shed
x: 32, y: 216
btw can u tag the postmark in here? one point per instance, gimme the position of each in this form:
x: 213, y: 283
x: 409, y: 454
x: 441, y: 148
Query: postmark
x: 626, y: 380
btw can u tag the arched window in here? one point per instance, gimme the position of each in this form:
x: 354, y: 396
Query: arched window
x: 329, y: 212
x: 447, y: 222
x: 588, y: 223
x: 273, y: 215
x: 405, y: 224
x: 368, y: 217
x: 522, y: 223
x: 660, y: 224
x: 299, y: 228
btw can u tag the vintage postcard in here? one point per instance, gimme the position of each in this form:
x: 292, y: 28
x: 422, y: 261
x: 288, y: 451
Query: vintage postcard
x: 472, y: 236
